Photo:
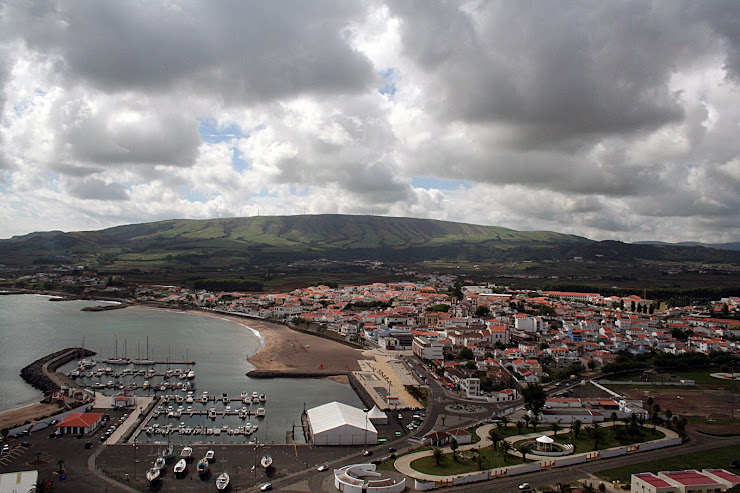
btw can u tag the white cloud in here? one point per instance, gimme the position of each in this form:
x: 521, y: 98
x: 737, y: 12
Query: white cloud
x: 607, y: 120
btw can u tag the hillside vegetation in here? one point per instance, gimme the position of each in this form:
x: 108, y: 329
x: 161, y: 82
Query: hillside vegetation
x: 202, y: 247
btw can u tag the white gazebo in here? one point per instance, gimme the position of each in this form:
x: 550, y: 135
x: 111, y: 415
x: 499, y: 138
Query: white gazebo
x: 544, y: 443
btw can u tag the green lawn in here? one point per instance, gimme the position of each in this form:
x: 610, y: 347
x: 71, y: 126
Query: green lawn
x: 466, y: 462
x: 702, y: 378
x: 715, y: 458
x: 584, y: 444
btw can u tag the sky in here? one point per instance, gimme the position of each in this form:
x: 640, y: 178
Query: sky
x: 610, y: 120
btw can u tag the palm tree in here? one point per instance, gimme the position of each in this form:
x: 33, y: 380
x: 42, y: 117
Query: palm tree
x: 534, y: 422
x: 575, y: 428
x: 505, y: 421
x: 496, y: 437
x: 61, y: 462
x: 506, y: 448
x: 555, y: 427
x: 38, y: 457
x: 454, y: 446
x: 527, y: 419
x: 519, y: 425
x: 437, y: 454
x: 614, y: 417
x: 597, y: 433
x: 524, y: 450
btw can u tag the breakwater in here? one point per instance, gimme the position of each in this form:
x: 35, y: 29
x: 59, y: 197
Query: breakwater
x: 35, y: 375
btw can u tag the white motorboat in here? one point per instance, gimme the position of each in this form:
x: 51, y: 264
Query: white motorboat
x: 159, y: 463
x: 210, y: 455
x: 169, y: 452
x: 222, y: 481
x: 152, y: 474
x: 266, y: 461
x: 190, y: 374
x: 186, y: 453
x: 261, y: 412
x: 202, y: 466
x: 263, y: 397
x: 180, y: 466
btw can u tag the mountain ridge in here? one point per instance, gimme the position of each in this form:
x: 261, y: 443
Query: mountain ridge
x: 231, y: 243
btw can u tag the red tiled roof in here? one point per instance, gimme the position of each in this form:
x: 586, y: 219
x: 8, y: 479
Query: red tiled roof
x: 653, y: 480
x: 80, y: 419
x: 689, y: 478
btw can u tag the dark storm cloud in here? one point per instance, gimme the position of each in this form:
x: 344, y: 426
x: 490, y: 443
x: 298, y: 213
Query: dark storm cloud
x: 239, y: 51
x: 96, y: 189
x: 559, y: 70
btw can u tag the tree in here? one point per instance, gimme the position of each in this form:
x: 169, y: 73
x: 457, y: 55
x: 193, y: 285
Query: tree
x: 466, y: 353
x: 496, y: 437
x: 555, y: 427
x: 597, y: 433
x: 524, y: 450
x: 632, y: 306
x: 527, y: 419
x: 535, y: 422
x: 576, y: 427
x: 454, y: 446
x: 61, y: 462
x: 519, y: 425
x: 534, y: 398
x: 437, y: 454
x: 482, y: 311
x: 458, y: 291
x: 614, y: 417
x: 505, y: 421
x: 506, y: 448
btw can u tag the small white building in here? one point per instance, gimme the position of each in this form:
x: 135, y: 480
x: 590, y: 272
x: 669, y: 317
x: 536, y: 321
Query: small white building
x: 471, y: 386
x: 339, y: 424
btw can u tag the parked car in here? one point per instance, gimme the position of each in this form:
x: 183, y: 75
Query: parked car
x: 525, y: 487
x: 89, y: 445
x: 6, y: 448
x: 322, y: 468
x: 266, y: 487
x: 367, y: 452
x: 391, y: 449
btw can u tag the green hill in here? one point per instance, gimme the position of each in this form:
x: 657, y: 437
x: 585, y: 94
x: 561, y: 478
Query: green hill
x: 245, y: 243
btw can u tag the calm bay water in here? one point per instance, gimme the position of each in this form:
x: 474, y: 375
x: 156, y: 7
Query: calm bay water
x: 32, y: 326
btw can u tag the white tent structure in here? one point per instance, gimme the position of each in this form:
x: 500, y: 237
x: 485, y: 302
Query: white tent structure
x: 339, y: 424
x: 377, y: 417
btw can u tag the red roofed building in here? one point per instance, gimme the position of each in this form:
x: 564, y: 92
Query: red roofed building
x: 79, y: 423
x: 648, y: 482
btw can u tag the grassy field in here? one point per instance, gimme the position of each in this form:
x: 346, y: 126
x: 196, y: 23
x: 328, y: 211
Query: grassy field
x: 466, y: 462
x: 584, y: 444
x: 716, y: 458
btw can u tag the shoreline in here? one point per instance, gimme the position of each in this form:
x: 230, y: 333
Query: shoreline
x: 283, y: 353
x: 286, y: 350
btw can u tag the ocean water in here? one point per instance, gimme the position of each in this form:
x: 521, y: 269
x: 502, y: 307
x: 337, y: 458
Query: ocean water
x: 31, y: 326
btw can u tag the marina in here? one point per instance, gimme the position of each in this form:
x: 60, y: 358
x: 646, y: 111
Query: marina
x: 214, y: 349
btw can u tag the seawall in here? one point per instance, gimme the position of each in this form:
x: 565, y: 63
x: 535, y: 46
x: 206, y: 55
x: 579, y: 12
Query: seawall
x: 36, y: 376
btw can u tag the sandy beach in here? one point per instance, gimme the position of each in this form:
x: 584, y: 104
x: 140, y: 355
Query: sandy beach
x: 287, y: 349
